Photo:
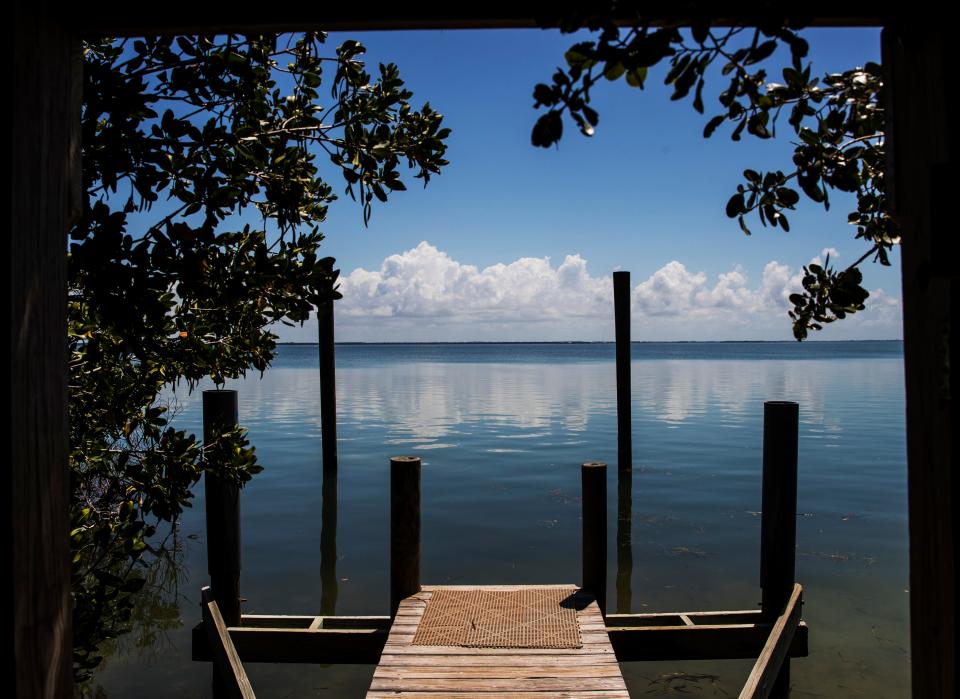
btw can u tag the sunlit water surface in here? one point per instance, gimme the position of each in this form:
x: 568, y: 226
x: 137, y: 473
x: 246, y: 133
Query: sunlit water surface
x: 502, y: 430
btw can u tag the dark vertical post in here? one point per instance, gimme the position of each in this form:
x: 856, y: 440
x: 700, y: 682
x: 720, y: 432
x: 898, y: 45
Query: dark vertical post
x: 594, y: 498
x: 778, y: 526
x: 404, y: 529
x: 220, y: 411
x: 621, y: 314
x: 328, y: 388
x: 328, y: 545
x: 921, y: 148
x: 624, y: 541
x: 43, y: 198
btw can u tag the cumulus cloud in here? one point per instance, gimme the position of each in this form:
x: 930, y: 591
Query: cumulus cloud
x: 427, y: 283
x: 424, y: 290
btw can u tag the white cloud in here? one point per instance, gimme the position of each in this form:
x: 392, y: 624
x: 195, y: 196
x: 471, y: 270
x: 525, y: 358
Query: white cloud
x: 427, y: 283
x: 424, y: 294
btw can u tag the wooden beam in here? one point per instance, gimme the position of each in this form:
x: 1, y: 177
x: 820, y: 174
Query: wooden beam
x: 921, y: 148
x: 714, y: 618
x: 316, y: 622
x: 299, y: 645
x: 43, y: 193
x: 698, y: 642
x: 114, y: 18
x: 764, y: 676
x: 225, y: 659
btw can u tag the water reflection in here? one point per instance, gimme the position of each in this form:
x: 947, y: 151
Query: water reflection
x: 432, y: 403
x: 156, y: 608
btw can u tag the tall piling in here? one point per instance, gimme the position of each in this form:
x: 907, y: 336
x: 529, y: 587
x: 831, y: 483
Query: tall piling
x: 621, y: 315
x: 328, y: 387
x: 594, y: 557
x: 328, y: 545
x: 624, y: 583
x: 220, y: 413
x: 778, y: 525
x: 404, y: 529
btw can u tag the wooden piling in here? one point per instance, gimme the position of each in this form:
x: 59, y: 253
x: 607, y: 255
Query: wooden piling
x: 621, y: 314
x: 328, y: 387
x: 594, y: 559
x: 624, y: 583
x: 328, y: 545
x: 778, y: 527
x: 404, y: 529
x: 220, y: 413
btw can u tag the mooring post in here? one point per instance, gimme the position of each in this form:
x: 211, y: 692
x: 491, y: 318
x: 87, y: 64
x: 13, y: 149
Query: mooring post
x: 220, y: 413
x: 624, y: 582
x: 328, y: 388
x: 594, y: 560
x: 328, y: 545
x: 621, y: 315
x: 404, y: 529
x: 778, y: 524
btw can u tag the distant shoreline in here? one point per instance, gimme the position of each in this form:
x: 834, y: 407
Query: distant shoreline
x: 606, y: 342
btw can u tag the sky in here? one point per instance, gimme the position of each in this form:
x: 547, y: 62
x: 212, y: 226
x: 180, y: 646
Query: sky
x: 517, y: 243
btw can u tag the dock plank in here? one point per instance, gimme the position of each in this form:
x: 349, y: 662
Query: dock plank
x: 406, y: 671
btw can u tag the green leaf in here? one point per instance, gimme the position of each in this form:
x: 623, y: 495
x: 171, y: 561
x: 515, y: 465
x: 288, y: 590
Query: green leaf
x: 735, y: 205
x: 637, y: 77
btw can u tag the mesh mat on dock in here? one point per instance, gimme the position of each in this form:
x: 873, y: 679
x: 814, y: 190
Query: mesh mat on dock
x: 529, y: 617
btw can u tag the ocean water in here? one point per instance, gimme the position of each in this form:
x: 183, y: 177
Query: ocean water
x: 502, y: 430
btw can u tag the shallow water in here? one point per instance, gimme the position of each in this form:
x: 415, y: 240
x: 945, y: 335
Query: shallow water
x: 502, y: 430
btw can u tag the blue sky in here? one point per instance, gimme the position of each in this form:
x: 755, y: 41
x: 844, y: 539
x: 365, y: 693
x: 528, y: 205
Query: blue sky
x: 517, y: 243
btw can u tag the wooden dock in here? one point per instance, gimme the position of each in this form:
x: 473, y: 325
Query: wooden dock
x: 419, y: 671
x: 527, y: 641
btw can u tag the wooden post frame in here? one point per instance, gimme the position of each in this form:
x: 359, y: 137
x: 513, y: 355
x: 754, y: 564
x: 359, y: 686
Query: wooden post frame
x: 47, y: 39
x: 778, y: 520
x: 594, y: 560
x: 220, y: 412
x: 404, y: 529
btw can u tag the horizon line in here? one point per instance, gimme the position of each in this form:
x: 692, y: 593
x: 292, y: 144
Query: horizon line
x: 586, y: 342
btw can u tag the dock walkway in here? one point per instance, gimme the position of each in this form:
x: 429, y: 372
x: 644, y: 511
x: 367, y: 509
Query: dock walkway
x: 415, y: 670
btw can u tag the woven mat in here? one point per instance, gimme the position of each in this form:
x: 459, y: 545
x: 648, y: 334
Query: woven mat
x: 530, y: 617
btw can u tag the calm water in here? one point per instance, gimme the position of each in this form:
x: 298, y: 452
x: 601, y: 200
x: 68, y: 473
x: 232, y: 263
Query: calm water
x: 502, y: 430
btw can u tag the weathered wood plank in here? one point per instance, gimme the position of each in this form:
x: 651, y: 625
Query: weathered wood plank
x: 766, y: 670
x: 503, y: 661
x: 499, y: 672
x: 225, y: 659
x: 43, y: 195
x: 487, y: 684
x: 545, y: 694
